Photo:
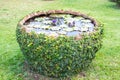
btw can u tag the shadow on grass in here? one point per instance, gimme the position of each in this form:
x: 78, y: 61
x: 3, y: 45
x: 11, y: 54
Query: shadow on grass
x: 36, y: 76
x: 20, y: 70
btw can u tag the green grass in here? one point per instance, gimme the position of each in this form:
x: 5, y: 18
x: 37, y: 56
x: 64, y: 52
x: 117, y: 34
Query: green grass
x: 106, y: 65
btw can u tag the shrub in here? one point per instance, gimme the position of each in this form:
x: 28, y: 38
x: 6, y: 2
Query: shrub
x: 113, y: 0
x: 118, y: 2
x: 58, y: 57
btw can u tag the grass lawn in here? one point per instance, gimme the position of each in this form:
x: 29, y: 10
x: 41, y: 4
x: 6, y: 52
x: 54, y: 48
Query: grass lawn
x: 106, y: 65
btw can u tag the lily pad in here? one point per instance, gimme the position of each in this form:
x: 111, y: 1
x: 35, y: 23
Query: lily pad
x: 39, y: 19
x: 76, y: 28
x: 32, y: 24
x: 63, y: 26
x: 68, y: 29
x: 48, y: 22
x: 84, y: 29
x: 45, y: 27
x: 62, y: 32
x: 55, y: 28
x: 86, y: 21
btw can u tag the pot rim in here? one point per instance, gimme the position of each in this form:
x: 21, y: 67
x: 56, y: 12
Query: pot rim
x: 45, y: 13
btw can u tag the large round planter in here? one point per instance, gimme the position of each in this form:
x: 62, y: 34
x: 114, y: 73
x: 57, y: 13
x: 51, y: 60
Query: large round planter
x: 62, y: 56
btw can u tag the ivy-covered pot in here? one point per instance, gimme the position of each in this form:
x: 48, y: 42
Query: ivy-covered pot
x: 60, y: 56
